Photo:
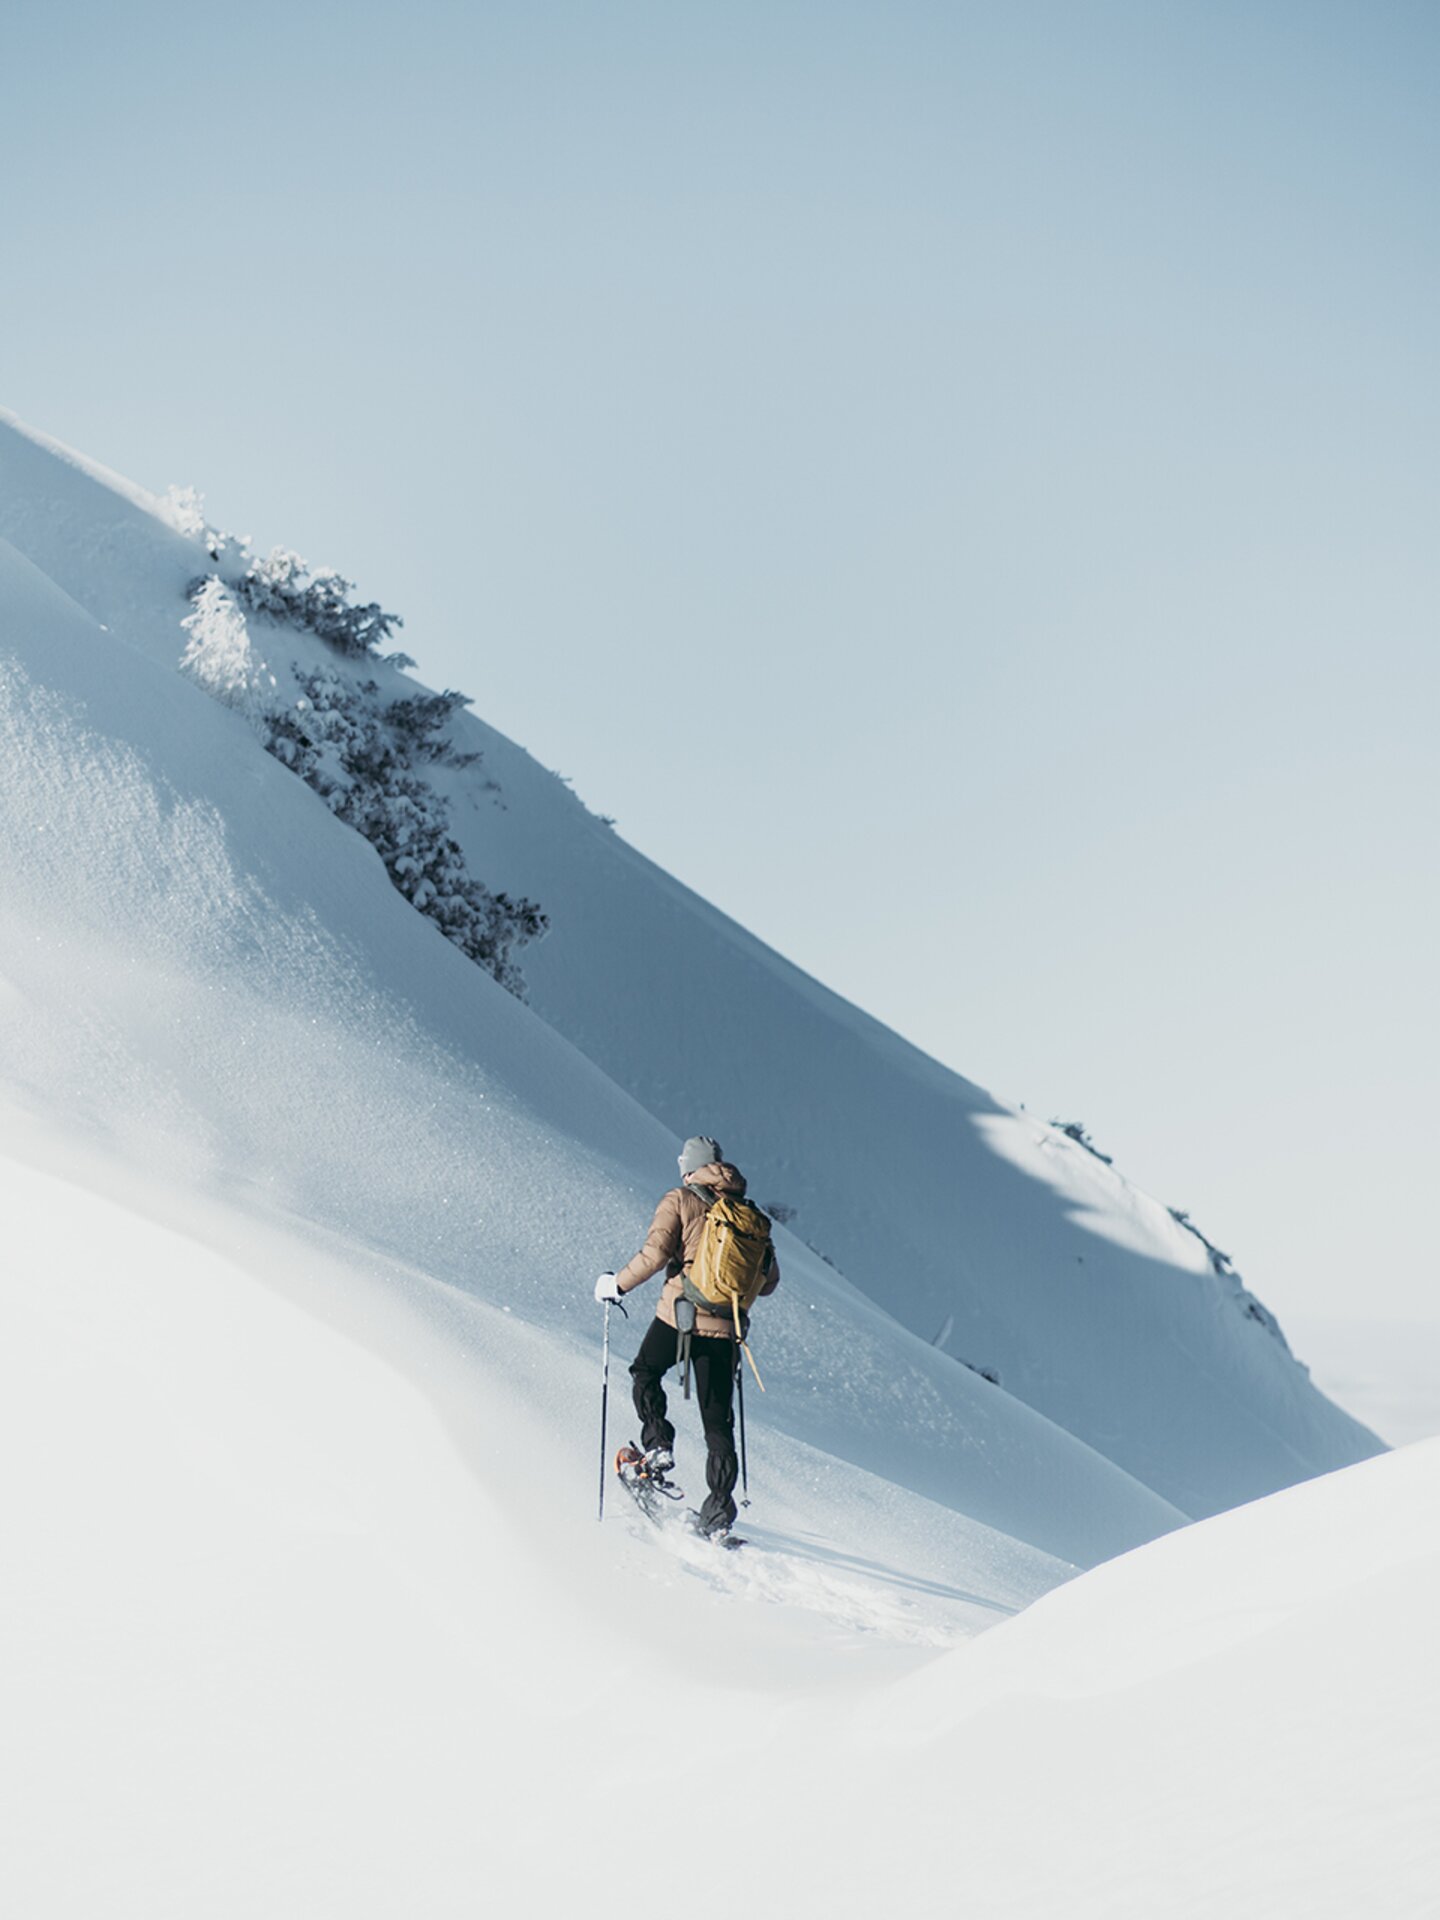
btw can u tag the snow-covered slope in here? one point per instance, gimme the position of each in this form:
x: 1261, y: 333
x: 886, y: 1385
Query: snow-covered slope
x: 968, y: 1223
x: 211, y: 975
x: 1239, y: 1719
x: 280, y: 1639
x: 305, y: 1609
x: 971, y: 1222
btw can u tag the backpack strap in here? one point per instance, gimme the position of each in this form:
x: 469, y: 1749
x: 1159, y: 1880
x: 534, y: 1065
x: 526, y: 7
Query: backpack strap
x: 685, y: 1332
x: 706, y: 1196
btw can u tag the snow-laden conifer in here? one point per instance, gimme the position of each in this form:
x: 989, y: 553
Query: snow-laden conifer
x: 360, y: 752
x: 283, y: 587
x: 221, y: 656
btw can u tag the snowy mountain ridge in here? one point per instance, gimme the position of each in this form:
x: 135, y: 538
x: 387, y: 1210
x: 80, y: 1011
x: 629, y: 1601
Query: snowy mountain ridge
x: 211, y: 975
x: 944, y: 1206
x: 309, y: 1611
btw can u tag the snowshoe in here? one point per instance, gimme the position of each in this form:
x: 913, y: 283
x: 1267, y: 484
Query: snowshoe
x: 723, y: 1536
x: 641, y: 1476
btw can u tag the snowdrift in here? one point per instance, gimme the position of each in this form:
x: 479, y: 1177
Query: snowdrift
x: 296, y: 1638
x: 1238, y: 1719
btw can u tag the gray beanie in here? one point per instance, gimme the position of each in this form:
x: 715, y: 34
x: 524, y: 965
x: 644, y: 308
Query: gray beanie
x: 698, y: 1152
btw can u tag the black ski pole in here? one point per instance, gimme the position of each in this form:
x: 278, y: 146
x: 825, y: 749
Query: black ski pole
x: 605, y: 1401
x: 744, y: 1460
x: 604, y: 1409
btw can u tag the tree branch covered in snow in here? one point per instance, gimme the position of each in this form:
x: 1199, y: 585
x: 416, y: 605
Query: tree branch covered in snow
x: 351, y: 747
x: 359, y: 751
x: 282, y: 587
x: 186, y: 510
x: 220, y: 655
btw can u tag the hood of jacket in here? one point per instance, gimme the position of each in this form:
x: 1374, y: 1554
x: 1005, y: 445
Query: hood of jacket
x: 719, y: 1175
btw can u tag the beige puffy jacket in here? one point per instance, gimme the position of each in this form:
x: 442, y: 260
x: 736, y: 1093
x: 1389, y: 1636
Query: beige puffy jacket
x: 673, y: 1239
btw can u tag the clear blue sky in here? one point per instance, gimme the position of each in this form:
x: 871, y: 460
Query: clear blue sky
x: 1013, y: 428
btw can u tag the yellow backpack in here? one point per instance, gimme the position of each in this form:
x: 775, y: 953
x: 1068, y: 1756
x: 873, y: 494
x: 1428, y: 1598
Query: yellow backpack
x: 732, y: 1262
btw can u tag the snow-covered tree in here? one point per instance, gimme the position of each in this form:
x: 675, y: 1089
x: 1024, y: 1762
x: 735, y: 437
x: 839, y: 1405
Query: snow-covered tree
x: 221, y: 656
x: 283, y: 587
x: 421, y: 719
x: 348, y: 745
x: 186, y: 510
x: 360, y: 752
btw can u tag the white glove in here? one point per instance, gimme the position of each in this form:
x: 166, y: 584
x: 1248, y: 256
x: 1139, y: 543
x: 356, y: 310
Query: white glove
x: 607, y: 1289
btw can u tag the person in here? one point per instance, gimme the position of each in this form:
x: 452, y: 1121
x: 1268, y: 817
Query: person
x: 671, y: 1244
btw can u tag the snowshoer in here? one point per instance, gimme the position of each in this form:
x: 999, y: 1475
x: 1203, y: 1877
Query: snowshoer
x: 671, y: 1244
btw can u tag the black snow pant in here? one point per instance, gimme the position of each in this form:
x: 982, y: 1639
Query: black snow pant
x: 712, y: 1363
